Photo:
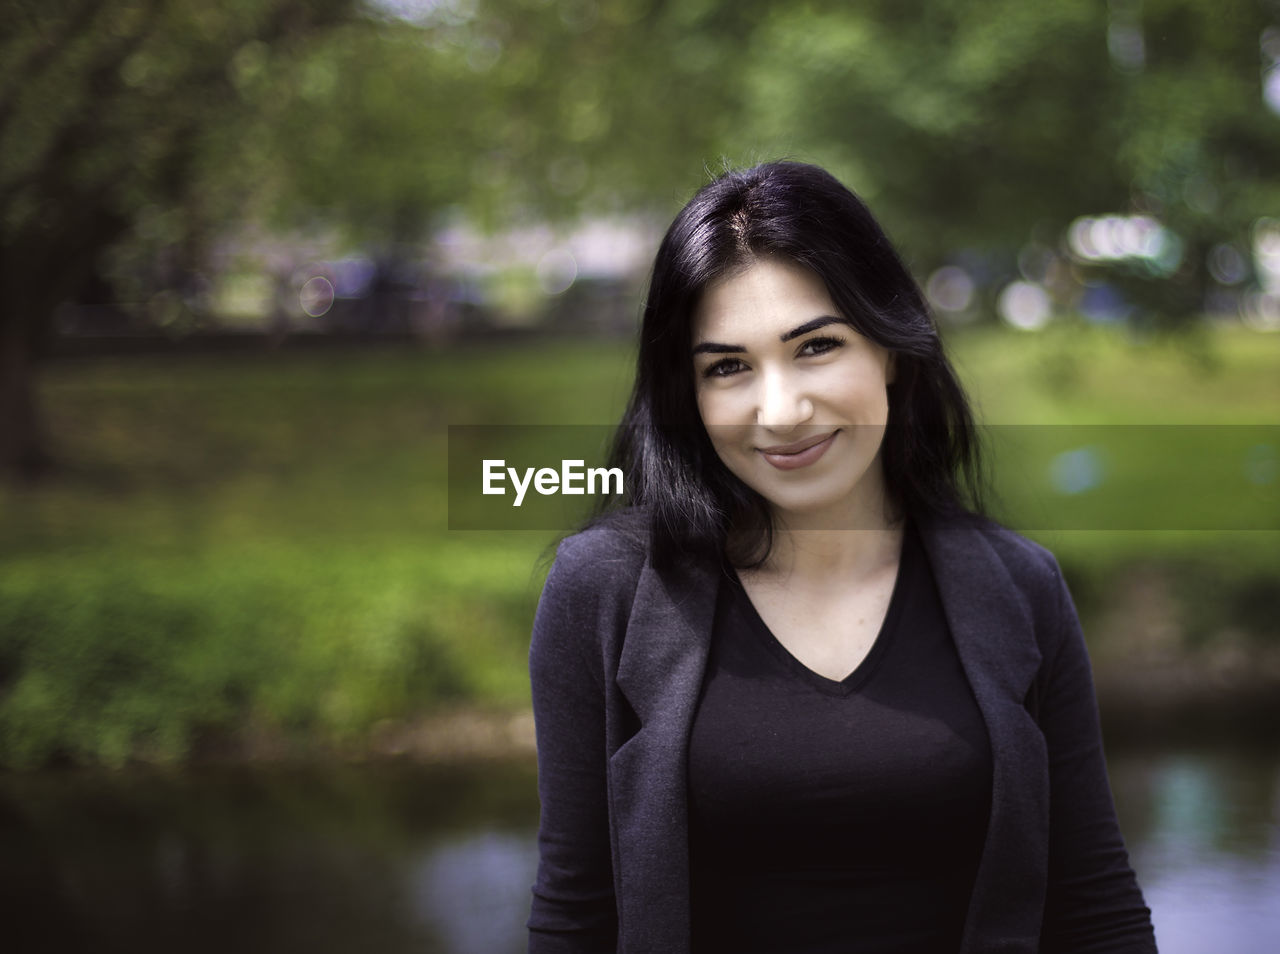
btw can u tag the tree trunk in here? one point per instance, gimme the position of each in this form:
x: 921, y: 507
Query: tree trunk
x: 24, y: 451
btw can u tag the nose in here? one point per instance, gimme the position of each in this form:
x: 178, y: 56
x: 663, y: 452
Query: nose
x: 782, y: 403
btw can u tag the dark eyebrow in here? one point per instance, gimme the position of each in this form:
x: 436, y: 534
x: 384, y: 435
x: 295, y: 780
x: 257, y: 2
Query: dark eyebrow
x: 814, y: 325
x: 713, y: 347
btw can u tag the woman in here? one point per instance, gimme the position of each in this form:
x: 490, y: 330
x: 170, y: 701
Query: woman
x: 798, y: 697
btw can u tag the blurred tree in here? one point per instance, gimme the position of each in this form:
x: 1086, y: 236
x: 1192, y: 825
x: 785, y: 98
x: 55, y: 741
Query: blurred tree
x: 962, y: 122
x: 108, y: 109
x: 510, y: 109
x: 1202, y: 141
x: 974, y: 125
x: 970, y: 126
x: 983, y: 125
x: 150, y: 122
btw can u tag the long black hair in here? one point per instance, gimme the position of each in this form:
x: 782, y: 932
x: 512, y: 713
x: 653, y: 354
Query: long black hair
x: 803, y: 214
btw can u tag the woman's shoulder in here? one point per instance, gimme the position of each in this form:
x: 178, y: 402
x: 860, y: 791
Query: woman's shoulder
x: 1029, y: 564
x: 588, y: 596
x: 606, y: 555
x: 1017, y: 551
x: 980, y: 563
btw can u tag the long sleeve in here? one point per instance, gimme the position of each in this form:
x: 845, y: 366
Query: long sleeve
x: 574, y: 909
x: 1093, y: 901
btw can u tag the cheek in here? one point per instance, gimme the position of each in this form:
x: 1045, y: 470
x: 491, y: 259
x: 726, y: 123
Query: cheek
x: 724, y: 428
x: 707, y: 412
x: 716, y: 407
x: 860, y: 399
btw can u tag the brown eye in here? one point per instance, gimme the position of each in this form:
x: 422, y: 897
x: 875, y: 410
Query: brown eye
x: 723, y: 368
x: 820, y: 345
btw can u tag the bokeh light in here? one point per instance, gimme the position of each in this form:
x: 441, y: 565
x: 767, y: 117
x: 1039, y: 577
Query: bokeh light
x: 950, y: 289
x: 1266, y: 253
x: 1262, y: 465
x: 557, y: 271
x: 1227, y: 265
x: 1025, y: 305
x: 1077, y: 471
x: 316, y: 295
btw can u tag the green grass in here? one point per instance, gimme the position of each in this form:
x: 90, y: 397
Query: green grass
x: 242, y: 546
x: 1079, y: 374
x: 1176, y: 422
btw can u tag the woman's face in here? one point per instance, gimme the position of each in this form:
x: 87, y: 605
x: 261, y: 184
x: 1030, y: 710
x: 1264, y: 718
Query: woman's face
x: 793, y: 399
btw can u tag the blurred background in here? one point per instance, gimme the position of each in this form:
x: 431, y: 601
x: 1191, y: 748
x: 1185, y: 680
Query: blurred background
x: 257, y: 256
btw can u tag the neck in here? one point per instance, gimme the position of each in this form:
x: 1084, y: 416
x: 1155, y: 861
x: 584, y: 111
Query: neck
x: 833, y: 554
x: 859, y: 540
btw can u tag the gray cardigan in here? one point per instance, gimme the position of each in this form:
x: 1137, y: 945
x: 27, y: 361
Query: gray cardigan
x: 617, y: 661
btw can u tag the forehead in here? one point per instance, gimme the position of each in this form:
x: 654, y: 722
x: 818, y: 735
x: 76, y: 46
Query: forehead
x: 766, y: 298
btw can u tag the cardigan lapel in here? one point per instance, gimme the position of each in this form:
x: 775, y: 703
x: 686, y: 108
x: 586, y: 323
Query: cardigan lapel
x: 994, y: 635
x: 660, y: 673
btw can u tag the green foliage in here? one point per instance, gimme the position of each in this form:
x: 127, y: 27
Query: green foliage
x: 119, y: 656
x: 108, y: 110
x: 950, y: 117
x: 508, y: 110
x: 968, y: 125
x: 983, y: 125
x: 246, y: 549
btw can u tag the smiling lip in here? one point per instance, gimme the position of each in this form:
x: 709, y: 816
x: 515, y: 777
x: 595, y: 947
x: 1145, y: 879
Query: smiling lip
x: 800, y: 454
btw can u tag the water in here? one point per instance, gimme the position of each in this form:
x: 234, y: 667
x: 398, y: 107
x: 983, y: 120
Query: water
x: 387, y: 858
x: 399, y: 858
x: 1203, y: 826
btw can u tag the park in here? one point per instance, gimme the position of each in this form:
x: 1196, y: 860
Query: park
x: 261, y: 260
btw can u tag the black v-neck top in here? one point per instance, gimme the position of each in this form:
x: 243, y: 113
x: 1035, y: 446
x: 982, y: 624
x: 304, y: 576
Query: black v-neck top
x: 836, y: 815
